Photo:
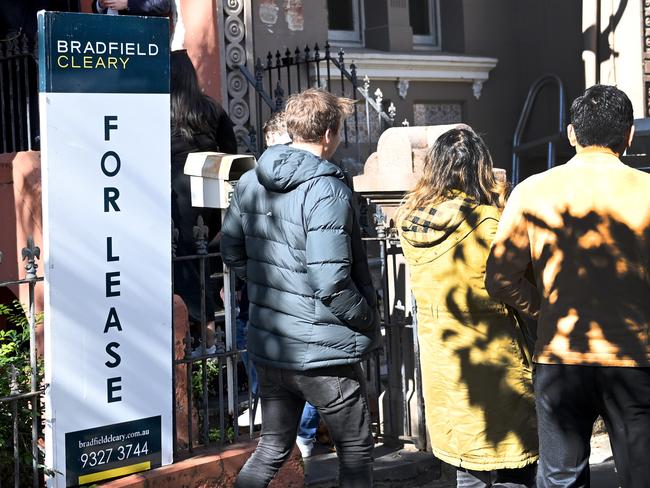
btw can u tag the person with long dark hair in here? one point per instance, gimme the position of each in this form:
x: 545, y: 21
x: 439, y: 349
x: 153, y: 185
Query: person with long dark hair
x: 476, y: 375
x: 198, y: 124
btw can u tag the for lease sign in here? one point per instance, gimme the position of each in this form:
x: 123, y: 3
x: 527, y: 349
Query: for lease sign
x: 104, y: 106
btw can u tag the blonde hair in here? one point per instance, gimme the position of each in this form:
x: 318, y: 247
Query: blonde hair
x: 311, y: 113
x: 459, y: 161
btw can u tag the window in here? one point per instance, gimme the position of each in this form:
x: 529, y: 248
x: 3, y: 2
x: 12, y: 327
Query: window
x: 344, y: 20
x: 423, y: 16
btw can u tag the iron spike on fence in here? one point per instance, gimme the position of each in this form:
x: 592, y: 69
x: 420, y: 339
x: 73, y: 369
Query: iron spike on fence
x: 287, y: 60
x: 379, y: 97
x: 341, y: 56
x: 187, y: 340
x: 24, y: 46
x: 269, y: 59
x: 200, y: 232
x: 252, y: 136
x: 296, y: 54
x: 392, y: 111
x: 366, y: 86
x: 279, y: 96
x: 353, y: 74
x: 327, y: 50
x: 278, y: 59
x: 31, y: 253
x: 316, y: 52
x: 259, y: 74
x: 307, y: 53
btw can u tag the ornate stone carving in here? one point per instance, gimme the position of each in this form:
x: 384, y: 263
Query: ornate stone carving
x: 233, y: 7
x: 238, y: 111
x: 237, y: 85
x: 234, y: 29
x: 235, y: 50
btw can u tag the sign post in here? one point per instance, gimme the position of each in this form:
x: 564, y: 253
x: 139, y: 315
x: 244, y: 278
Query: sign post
x: 104, y: 106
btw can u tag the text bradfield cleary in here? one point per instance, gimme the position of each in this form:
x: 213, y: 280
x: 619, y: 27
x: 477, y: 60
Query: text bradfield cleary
x: 100, y: 54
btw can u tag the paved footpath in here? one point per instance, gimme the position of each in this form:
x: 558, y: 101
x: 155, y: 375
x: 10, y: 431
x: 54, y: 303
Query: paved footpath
x: 409, y: 468
x: 603, y: 472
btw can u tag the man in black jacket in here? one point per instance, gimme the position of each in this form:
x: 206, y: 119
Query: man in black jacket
x: 291, y: 232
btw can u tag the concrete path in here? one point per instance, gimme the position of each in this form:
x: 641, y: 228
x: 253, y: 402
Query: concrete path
x: 409, y: 468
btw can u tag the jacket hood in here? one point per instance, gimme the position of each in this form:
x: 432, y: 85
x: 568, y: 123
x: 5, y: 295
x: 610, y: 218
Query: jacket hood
x: 433, y: 224
x: 282, y: 168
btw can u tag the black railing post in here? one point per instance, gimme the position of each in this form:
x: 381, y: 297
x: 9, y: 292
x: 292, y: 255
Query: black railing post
x: 355, y: 81
x: 259, y: 88
x: 32, y: 253
x: 327, y: 61
x: 200, y: 233
x: 279, y: 96
x: 297, y: 61
x: 342, y: 71
x: 269, y: 69
x: 288, y: 61
x: 3, y: 121
x: 307, y: 61
x: 12, y: 94
x: 317, y: 61
x: 278, y: 65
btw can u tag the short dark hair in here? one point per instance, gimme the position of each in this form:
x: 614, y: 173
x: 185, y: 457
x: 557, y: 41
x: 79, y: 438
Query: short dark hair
x: 277, y: 122
x: 603, y: 116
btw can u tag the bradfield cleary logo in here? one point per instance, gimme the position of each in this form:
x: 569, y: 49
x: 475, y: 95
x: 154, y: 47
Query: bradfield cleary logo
x: 100, y: 54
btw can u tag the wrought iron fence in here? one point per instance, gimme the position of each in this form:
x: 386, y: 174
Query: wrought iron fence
x: 19, y: 130
x: 18, y: 94
x: 281, y: 75
x: 203, y: 366
x: 20, y: 406
x: 208, y: 407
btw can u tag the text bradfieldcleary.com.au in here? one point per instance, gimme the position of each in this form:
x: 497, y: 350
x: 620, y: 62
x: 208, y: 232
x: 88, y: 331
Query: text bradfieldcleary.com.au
x: 105, y: 439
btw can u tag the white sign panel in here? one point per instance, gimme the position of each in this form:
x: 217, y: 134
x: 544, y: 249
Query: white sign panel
x: 104, y: 108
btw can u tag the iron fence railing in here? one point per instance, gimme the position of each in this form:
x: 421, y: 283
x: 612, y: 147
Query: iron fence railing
x: 18, y: 94
x: 19, y: 130
x: 22, y: 406
x: 207, y: 411
x: 281, y: 75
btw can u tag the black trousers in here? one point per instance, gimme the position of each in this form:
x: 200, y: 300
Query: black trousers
x: 339, y: 395
x: 569, y: 399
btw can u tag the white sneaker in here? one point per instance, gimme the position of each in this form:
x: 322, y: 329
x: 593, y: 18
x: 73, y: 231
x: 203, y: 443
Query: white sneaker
x: 305, y: 445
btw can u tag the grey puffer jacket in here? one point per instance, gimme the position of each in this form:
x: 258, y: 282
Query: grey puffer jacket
x: 291, y: 232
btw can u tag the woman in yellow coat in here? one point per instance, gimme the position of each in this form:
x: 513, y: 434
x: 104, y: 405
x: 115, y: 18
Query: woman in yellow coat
x: 476, y: 375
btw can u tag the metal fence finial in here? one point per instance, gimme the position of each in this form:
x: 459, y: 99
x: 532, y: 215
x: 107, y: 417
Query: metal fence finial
x: 392, y: 111
x: 31, y: 253
x: 200, y: 232
x: 379, y: 96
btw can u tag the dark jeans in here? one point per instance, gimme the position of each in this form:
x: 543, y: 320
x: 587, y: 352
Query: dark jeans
x: 339, y: 395
x: 503, y: 478
x: 569, y: 399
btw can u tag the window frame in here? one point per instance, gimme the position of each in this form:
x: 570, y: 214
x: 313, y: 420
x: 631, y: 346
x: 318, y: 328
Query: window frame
x: 353, y: 37
x: 431, y: 41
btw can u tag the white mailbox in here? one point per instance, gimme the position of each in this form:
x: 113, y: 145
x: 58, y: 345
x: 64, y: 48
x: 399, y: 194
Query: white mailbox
x: 212, y: 176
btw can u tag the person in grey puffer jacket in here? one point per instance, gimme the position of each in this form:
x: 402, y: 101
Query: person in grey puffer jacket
x: 292, y: 233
